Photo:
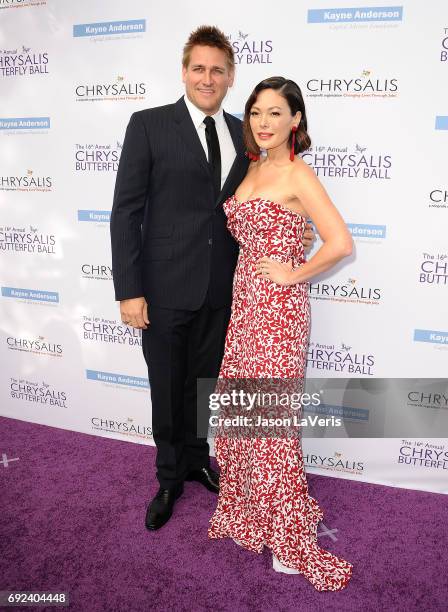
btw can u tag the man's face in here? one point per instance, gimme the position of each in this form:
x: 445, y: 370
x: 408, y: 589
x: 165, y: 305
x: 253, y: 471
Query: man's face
x: 207, y: 78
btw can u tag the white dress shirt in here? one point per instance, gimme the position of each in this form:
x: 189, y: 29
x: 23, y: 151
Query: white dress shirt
x: 228, y: 152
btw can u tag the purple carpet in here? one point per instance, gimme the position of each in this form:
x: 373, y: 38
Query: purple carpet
x: 72, y: 519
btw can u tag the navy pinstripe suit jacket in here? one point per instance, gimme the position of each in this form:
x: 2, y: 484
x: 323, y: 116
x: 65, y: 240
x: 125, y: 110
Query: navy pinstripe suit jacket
x: 169, y: 237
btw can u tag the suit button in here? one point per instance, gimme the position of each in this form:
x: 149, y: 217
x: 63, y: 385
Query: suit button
x: 210, y: 241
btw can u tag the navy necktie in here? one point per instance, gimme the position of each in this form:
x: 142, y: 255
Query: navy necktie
x: 214, y: 153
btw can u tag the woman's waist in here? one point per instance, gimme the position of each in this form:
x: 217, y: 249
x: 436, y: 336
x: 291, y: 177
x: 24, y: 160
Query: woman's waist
x: 251, y: 254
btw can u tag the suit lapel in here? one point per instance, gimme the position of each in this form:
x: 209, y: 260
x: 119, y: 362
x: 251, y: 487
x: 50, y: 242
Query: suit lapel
x: 240, y: 163
x: 188, y: 132
x: 185, y: 126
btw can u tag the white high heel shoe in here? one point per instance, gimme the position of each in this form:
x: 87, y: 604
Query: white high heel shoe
x: 279, y: 567
x: 276, y: 565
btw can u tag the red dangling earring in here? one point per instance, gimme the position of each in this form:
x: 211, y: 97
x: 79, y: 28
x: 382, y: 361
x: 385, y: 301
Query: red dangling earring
x: 293, y: 142
x: 252, y: 156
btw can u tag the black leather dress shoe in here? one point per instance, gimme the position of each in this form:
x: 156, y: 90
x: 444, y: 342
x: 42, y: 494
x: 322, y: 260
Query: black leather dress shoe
x: 205, y: 476
x: 161, y: 508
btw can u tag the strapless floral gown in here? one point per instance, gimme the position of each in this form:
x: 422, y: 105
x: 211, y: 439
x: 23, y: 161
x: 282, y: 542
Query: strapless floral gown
x: 264, y: 497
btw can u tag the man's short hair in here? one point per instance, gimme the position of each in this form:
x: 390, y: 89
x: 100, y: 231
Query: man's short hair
x: 208, y: 36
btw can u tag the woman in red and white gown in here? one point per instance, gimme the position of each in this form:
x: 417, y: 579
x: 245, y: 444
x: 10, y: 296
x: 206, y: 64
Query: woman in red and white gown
x: 264, y: 498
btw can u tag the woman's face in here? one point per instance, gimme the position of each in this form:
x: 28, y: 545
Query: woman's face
x: 271, y: 120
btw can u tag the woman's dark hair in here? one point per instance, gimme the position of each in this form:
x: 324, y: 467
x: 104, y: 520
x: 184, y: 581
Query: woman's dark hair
x: 292, y: 94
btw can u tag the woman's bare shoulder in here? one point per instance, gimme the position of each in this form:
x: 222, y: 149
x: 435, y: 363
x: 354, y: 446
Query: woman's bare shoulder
x: 303, y: 172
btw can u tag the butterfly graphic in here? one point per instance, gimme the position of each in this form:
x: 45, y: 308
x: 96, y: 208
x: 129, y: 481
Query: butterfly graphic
x: 336, y: 454
x: 119, y: 145
x: 366, y: 73
x: 33, y: 229
x: 360, y: 149
x: 352, y: 281
x: 242, y: 36
x: 26, y: 49
x: 120, y: 78
x: 344, y: 347
x: 44, y: 384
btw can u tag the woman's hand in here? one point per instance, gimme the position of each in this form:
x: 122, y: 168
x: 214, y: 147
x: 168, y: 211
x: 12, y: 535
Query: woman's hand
x: 309, y: 236
x: 275, y: 271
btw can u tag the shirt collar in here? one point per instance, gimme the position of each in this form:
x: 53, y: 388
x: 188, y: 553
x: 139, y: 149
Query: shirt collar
x: 197, y: 116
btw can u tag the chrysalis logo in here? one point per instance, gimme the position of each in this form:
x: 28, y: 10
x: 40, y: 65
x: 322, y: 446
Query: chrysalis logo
x: 343, y: 359
x: 118, y: 90
x: 23, y: 61
x: 434, y: 269
x: 363, y: 86
x: 350, y: 291
x: 28, y: 181
x: 126, y: 427
x: 335, y: 463
x: 99, y: 329
x: 251, y: 50
x: 22, y: 240
x: 349, y: 161
x: 38, y: 346
x: 37, y: 393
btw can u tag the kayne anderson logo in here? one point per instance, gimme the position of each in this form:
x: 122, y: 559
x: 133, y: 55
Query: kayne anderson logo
x: 360, y: 14
x: 22, y: 240
x: 96, y: 157
x: 335, y: 463
x: 433, y: 269
x: 355, y: 162
x: 36, y: 125
x: 120, y: 90
x: 38, y: 346
x: 31, y: 295
x: 23, y: 61
x: 348, y: 292
x: 96, y: 271
x: 364, y: 232
x: 339, y: 359
x: 118, y: 379
x: 98, y: 329
x: 251, y: 50
x: 126, y: 428
x: 28, y: 181
x: 100, y: 217
x: 442, y: 122
x: 37, y: 393
x: 364, y: 86
x: 106, y: 29
x: 438, y: 198
x: 10, y: 4
x: 431, y: 336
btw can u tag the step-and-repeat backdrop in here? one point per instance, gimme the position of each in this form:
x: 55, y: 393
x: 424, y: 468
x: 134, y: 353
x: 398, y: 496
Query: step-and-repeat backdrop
x: 374, y: 79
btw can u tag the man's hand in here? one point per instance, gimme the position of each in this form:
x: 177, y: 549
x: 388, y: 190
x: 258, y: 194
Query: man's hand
x: 134, y: 312
x: 308, y: 237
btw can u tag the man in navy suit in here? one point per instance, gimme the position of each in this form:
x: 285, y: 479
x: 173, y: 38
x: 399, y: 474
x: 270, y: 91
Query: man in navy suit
x: 173, y: 258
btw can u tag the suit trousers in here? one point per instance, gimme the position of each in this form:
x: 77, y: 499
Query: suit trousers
x: 179, y: 347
